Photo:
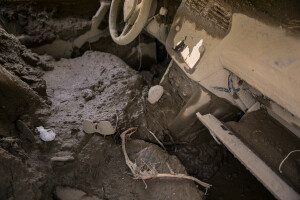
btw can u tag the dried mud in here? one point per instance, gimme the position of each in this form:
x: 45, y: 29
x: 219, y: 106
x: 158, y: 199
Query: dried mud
x: 98, y: 167
x: 99, y: 86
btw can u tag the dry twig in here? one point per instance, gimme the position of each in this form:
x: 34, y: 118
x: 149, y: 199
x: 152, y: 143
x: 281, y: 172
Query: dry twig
x: 151, y: 172
x: 159, y: 142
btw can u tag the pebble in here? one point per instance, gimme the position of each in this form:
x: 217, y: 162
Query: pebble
x: 45, y: 66
x: 62, y: 158
x: 88, y: 94
x: 155, y: 93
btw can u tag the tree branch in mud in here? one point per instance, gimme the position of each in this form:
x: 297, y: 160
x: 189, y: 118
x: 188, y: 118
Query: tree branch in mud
x: 151, y: 172
x: 159, y: 142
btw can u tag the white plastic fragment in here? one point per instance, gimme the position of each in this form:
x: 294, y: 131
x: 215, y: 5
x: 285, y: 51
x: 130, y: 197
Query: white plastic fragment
x: 155, y: 93
x: 103, y: 127
x: 46, y: 135
x: 106, y: 128
x: 88, y: 126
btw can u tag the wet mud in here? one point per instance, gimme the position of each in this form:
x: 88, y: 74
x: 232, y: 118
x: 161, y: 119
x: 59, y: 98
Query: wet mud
x: 41, y: 22
x: 94, y: 85
x: 89, y: 163
x: 100, y: 86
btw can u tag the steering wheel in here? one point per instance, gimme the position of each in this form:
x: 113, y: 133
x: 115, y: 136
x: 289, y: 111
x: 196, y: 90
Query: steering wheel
x: 136, y: 13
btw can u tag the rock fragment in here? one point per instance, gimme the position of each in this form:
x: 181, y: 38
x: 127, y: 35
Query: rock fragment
x: 155, y: 93
x: 30, y: 58
x: 45, y: 66
x: 45, y: 63
x: 103, y: 127
x: 88, y: 94
x: 62, y: 158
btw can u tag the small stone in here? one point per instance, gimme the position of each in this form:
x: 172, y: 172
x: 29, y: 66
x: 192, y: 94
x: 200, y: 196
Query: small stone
x: 155, y: 93
x: 88, y: 94
x: 62, y: 158
x: 45, y: 66
x: 30, y: 79
x: 30, y: 59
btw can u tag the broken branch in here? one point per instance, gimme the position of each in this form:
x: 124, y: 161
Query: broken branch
x: 183, y: 176
x: 151, y: 173
x: 159, y: 142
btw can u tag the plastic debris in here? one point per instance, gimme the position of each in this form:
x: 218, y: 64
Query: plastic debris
x: 103, y: 127
x: 106, y: 128
x: 155, y: 93
x: 46, y: 135
x: 88, y: 126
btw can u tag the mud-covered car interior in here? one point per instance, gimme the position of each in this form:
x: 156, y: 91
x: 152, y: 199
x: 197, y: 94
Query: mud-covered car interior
x: 149, y: 99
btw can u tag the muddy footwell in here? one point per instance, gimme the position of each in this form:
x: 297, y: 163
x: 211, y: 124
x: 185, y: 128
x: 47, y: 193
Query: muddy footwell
x: 100, y: 86
x: 214, y: 164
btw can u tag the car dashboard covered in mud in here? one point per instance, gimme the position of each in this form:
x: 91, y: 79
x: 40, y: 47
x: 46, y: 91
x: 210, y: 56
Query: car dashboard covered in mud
x: 250, y: 63
x: 210, y: 77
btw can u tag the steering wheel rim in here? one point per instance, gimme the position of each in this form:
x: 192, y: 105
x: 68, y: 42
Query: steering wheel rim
x: 133, y: 25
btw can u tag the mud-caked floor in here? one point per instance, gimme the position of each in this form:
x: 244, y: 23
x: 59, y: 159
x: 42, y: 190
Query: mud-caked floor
x: 59, y: 95
x: 75, y: 165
